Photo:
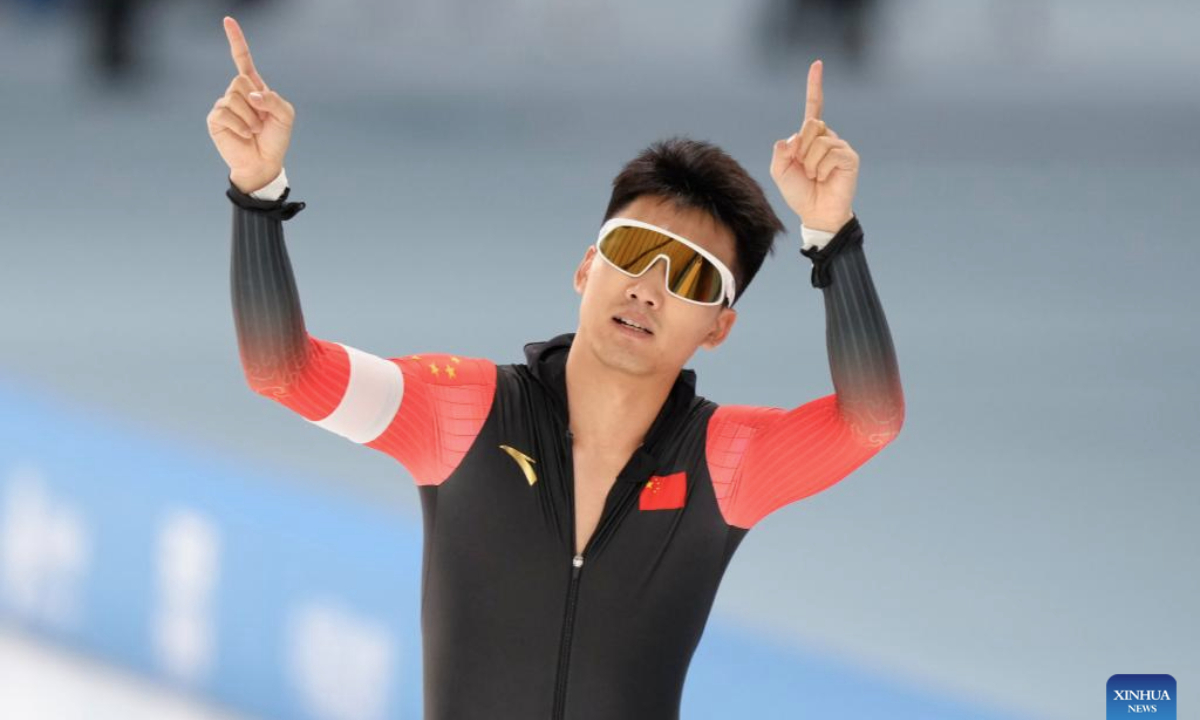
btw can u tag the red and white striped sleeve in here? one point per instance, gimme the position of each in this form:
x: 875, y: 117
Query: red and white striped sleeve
x: 425, y: 410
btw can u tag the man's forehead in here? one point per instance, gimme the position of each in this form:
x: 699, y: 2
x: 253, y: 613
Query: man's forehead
x: 692, y: 223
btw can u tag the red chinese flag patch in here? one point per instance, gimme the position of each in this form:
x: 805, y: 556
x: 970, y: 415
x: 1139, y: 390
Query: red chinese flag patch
x: 664, y: 492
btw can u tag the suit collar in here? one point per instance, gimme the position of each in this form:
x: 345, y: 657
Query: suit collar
x: 547, y: 361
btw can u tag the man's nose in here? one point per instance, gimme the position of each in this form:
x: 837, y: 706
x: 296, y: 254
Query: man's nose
x: 651, y: 284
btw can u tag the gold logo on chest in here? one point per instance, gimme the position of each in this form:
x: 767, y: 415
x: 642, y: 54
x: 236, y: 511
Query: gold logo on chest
x: 523, y: 461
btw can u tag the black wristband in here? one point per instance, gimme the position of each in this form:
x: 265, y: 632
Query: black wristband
x: 850, y: 235
x: 278, y: 209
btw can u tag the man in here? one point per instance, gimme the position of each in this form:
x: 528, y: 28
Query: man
x: 581, y: 507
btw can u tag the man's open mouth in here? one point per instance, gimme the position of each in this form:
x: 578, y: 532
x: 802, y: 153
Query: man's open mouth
x: 622, y: 321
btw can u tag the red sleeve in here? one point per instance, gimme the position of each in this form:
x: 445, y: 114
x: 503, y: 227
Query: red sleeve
x: 312, y: 385
x: 762, y: 458
x: 423, y: 410
x: 446, y: 401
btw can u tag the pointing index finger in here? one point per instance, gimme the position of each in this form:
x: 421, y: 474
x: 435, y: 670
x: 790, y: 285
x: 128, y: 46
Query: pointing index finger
x: 816, y: 96
x: 241, y: 52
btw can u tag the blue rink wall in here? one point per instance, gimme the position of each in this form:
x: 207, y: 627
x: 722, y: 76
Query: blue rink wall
x: 284, y: 601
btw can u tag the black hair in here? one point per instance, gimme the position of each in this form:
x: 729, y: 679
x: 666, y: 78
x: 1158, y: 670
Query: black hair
x: 697, y: 174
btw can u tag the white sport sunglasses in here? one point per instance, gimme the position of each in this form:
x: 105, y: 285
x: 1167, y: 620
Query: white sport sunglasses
x: 693, y: 274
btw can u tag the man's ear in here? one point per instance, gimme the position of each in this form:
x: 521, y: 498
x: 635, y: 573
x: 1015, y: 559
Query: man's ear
x: 585, y: 266
x: 721, y: 327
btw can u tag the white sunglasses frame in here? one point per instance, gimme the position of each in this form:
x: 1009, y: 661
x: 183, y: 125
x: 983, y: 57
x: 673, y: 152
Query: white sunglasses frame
x: 726, y: 274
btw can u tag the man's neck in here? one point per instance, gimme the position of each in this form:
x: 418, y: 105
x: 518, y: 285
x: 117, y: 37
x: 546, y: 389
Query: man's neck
x: 611, y: 411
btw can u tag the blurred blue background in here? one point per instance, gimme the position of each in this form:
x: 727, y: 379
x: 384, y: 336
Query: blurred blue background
x: 172, y: 545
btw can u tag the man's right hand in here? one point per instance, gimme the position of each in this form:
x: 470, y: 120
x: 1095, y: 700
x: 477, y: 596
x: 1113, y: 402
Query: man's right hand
x: 250, y: 124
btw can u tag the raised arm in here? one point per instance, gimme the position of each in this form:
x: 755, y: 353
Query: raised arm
x: 273, y: 343
x: 251, y: 125
x: 763, y: 458
x: 425, y: 419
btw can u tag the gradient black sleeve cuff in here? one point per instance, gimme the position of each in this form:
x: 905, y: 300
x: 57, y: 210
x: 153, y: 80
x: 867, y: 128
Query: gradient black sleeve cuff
x: 850, y: 235
x: 279, y: 209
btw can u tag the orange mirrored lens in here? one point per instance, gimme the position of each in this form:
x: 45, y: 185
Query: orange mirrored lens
x: 691, y: 277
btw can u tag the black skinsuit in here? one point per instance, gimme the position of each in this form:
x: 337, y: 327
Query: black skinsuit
x: 514, y: 623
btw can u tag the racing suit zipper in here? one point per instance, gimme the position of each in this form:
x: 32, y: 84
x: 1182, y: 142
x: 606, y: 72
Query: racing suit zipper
x: 564, y: 645
x: 564, y: 650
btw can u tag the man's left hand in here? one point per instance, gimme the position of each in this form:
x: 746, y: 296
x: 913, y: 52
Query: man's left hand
x: 816, y: 170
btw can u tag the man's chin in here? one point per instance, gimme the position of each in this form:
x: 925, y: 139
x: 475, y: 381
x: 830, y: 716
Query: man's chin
x: 631, y: 355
